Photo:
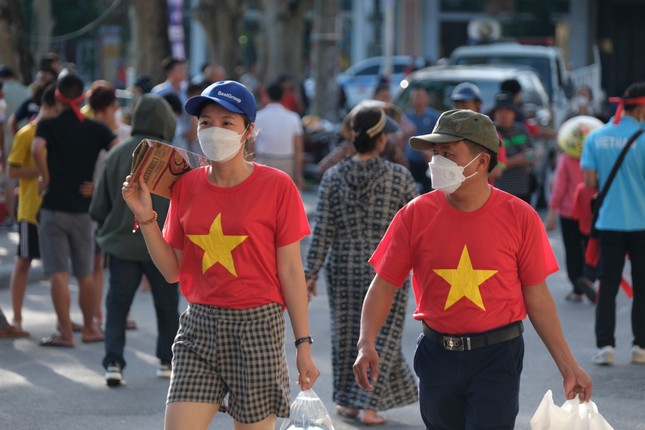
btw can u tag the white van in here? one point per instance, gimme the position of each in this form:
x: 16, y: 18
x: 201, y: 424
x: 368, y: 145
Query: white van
x: 547, y: 61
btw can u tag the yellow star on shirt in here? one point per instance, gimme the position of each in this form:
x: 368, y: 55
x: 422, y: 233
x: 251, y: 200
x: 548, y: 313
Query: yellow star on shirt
x: 217, y: 246
x: 464, y: 281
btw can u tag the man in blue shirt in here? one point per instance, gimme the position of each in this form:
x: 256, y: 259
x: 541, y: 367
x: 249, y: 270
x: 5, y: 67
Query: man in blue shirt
x: 424, y: 118
x: 621, y: 224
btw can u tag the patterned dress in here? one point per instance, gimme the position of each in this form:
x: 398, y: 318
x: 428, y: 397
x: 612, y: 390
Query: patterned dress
x: 357, y: 201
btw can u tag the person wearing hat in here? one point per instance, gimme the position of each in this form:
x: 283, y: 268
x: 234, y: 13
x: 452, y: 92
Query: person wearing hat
x: 479, y: 259
x: 237, y: 256
x: 620, y: 223
x: 374, y: 189
x: 467, y: 95
x: 520, y: 155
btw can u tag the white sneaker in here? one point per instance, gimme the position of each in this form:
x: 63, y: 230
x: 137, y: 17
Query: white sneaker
x: 164, y: 371
x: 113, y: 376
x: 604, y: 356
x: 638, y: 355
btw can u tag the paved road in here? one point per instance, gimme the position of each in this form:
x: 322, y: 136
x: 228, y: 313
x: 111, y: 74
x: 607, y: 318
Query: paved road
x: 64, y: 389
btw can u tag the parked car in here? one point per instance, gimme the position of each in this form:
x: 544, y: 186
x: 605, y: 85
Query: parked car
x: 359, y: 81
x: 547, y: 61
x: 440, y: 81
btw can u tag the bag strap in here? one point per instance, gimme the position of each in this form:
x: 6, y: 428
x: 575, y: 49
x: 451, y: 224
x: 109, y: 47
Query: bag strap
x: 612, y: 174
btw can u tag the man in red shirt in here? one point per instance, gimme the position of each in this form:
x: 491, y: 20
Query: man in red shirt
x: 479, y: 259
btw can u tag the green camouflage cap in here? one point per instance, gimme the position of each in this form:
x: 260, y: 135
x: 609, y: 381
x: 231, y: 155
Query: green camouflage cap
x: 460, y: 124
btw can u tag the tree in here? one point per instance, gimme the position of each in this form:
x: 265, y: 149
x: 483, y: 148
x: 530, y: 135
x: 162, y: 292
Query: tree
x: 325, y: 56
x: 14, y: 49
x: 222, y: 21
x: 283, y: 28
x: 151, y: 37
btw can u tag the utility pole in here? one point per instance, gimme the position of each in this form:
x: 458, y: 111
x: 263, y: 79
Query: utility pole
x: 325, y: 56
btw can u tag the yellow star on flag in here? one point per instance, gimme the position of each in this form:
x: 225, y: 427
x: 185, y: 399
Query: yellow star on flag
x: 217, y: 246
x: 464, y: 281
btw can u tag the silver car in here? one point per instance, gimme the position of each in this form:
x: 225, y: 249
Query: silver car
x: 440, y: 81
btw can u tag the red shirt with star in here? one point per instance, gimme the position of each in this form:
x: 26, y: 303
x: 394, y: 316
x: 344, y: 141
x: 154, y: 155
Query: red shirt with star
x: 229, y: 236
x: 468, y: 268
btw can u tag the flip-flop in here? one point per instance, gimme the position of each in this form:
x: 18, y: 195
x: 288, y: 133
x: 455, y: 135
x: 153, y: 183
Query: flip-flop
x: 55, y: 341
x: 130, y: 325
x: 346, y: 412
x: 92, y: 339
x: 377, y: 422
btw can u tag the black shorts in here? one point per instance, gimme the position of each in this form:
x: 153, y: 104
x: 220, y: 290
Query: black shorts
x: 28, y: 247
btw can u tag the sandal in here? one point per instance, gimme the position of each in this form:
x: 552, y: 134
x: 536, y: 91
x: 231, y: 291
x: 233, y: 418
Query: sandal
x: 346, y: 412
x: 55, y: 341
x: 372, y: 419
x: 574, y: 297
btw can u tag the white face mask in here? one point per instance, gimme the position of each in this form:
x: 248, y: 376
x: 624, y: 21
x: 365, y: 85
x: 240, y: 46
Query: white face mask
x: 219, y: 144
x: 3, y: 108
x: 447, y: 175
x: 582, y: 100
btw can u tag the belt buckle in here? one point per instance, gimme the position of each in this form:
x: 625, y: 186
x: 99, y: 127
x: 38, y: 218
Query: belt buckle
x: 451, y: 343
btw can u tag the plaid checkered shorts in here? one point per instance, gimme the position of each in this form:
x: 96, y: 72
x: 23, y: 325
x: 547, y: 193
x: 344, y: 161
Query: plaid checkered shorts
x: 241, y: 353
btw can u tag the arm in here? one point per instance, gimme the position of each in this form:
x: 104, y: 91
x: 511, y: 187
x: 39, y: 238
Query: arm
x: 591, y: 178
x: 292, y: 281
x: 39, y: 152
x: 376, y: 308
x: 323, y: 235
x: 299, y: 154
x: 21, y: 172
x: 166, y: 258
x: 542, y: 313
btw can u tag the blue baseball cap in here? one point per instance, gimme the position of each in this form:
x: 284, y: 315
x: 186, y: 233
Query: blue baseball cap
x: 230, y: 95
x: 466, y: 91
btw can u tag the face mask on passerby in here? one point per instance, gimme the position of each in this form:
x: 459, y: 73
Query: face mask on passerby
x: 447, y: 176
x: 219, y: 144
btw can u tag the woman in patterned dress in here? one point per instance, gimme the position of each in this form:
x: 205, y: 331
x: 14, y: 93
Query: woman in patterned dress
x: 357, y: 199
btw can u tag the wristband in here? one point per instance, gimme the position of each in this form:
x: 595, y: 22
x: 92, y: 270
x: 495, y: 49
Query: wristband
x: 137, y: 223
x: 307, y: 339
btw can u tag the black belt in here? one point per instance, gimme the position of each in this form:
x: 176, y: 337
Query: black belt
x: 474, y: 341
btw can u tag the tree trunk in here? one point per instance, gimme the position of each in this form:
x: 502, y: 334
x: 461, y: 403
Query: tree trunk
x: 151, y: 33
x: 14, y: 50
x: 222, y: 22
x: 42, y: 28
x: 283, y: 29
x: 325, y: 56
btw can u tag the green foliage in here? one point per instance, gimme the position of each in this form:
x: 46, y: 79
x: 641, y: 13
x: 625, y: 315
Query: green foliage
x: 69, y: 15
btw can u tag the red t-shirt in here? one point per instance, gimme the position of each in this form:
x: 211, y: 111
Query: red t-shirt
x: 229, y: 236
x: 468, y: 268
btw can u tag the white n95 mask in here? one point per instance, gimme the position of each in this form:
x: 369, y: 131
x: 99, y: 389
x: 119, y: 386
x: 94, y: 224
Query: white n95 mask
x: 447, y: 176
x: 219, y: 144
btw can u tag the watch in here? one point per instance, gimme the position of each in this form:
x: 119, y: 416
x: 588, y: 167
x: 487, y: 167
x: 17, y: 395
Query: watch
x: 307, y: 339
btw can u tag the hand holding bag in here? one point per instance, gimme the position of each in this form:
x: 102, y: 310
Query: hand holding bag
x: 573, y: 415
x: 307, y: 413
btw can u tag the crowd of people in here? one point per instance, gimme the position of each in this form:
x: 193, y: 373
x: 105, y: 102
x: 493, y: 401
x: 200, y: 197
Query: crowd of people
x: 398, y: 184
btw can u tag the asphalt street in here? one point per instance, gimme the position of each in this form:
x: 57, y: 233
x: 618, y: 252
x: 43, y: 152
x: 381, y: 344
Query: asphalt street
x: 57, y: 388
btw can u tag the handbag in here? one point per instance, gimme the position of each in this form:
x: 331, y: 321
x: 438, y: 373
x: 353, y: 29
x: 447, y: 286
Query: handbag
x: 572, y: 415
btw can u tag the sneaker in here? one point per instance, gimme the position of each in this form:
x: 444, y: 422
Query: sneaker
x: 164, y: 370
x: 586, y: 286
x: 604, y: 356
x: 113, y: 376
x: 638, y: 355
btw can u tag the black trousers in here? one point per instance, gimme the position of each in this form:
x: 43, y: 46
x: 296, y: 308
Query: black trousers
x: 614, y: 247
x: 573, y: 250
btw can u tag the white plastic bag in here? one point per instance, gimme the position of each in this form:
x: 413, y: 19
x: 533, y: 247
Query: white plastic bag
x: 573, y: 415
x: 307, y: 413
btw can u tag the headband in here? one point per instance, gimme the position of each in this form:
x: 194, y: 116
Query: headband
x: 73, y: 103
x: 621, y: 105
x: 378, y: 127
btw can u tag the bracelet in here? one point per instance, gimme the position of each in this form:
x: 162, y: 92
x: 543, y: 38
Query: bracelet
x: 307, y: 339
x: 146, y: 222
